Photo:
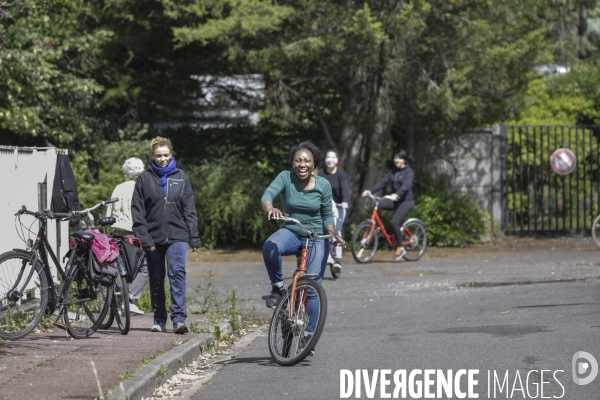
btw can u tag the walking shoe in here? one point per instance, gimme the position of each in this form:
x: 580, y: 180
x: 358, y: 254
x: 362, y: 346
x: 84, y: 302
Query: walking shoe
x: 180, y: 328
x: 134, y: 309
x: 276, y: 294
x: 400, y: 252
x: 337, y: 267
x: 304, y: 341
x: 158, y: 328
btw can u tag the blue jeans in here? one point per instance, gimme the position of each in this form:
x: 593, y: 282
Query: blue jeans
x: 286, y: 243
x: 176, y: 254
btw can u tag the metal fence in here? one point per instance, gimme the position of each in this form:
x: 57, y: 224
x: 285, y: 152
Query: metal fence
x: 535, y: 199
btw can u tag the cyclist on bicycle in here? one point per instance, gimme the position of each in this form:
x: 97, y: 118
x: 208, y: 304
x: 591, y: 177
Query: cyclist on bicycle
x: 307, y: 198
x: 401, y: 176
x: 341, y: 196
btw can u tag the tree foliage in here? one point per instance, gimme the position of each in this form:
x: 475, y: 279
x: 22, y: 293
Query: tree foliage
x: 101, y: 77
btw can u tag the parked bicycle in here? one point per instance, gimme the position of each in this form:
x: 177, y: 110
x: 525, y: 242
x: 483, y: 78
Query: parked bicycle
x: 365, y: 239
x: 596, y: 230
x: 119, y: 307
x: 303, y: 307
x: 28, y: 291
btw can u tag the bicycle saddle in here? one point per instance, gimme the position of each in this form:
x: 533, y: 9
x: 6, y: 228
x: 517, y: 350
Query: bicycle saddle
x: 103, y: 221
x: 87, y: 236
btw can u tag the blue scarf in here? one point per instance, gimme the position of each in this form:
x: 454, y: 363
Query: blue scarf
x: 163, y: 172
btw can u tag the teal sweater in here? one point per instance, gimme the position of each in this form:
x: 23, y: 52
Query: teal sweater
x: 312, y: 208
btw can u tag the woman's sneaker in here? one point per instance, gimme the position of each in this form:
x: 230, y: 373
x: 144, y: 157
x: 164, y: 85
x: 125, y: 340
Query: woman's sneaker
x: 158, y: 328
x: 276, y: 294
x: 180, y: 328
x: 400, y: 252
x: 337, y: 267
x: 134, y: 309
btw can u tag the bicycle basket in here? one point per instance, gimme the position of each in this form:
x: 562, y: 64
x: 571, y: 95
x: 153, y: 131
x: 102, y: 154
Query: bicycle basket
x: 133, y: 257
x: 105, y: 274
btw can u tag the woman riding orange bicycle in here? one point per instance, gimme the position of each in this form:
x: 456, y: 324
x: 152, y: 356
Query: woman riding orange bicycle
x: 307, y: 198
x: 401, y: 201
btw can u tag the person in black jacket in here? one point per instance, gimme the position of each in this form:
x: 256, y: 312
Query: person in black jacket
x: 401, y: 176
x: 340, y: 192
x: 165, y: 220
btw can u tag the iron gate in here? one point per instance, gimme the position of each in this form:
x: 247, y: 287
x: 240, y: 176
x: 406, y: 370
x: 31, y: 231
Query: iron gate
x: 535, y: 199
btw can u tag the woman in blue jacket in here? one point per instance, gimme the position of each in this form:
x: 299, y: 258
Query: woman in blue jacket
x: 165, y: 220
x: 401, y: 200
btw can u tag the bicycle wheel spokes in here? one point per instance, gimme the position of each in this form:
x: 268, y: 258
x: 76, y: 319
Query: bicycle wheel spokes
x: 364, y: 242
x: 22, y: 304
x: 85, y: 306
x: 290, y: 341
x: 414, y: 240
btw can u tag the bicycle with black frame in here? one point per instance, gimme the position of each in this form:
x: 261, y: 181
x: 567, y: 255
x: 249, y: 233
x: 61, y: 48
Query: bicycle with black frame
x: 133, y: 257
x: 28, y: 291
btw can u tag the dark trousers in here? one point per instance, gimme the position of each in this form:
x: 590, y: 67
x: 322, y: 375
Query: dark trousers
x: 175, y: 255
x: 401, y: 209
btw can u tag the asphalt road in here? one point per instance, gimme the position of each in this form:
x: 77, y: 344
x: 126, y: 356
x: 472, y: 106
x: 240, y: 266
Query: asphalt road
x: 512, y: 322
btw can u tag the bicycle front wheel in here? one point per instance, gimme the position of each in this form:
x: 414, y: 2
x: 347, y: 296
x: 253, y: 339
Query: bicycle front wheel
x: 120, y: 304
x: 596, y: 231
x: 364, y: 242
x: 290, y: 341
x: 414, y: 240
x: 22, y: 303
x: 86, y: 304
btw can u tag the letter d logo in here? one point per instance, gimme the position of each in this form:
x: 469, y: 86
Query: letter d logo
x: 582, y: 367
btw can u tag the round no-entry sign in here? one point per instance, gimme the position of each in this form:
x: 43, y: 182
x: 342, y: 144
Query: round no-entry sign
x: 563, y: 161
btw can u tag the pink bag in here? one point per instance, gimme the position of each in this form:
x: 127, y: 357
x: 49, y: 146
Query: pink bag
x: 104, y: 247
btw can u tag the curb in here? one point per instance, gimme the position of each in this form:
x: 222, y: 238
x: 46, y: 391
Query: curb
x: 149, y: 377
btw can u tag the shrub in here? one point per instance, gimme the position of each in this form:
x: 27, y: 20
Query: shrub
x: 452, y: 218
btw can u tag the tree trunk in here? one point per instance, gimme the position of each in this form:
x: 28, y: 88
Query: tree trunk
x: 352, y: 137
x: 582, y: 31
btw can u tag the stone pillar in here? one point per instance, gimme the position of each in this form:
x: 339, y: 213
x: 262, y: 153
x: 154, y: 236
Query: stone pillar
x: 498, y: 141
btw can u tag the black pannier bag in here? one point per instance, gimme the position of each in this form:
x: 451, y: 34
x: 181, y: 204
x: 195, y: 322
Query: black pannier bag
x: 133, y: 257
x: 105, y: 274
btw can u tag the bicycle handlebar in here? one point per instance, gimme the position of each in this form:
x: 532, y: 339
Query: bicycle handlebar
x: 312, y: 235
x: 57, y: 215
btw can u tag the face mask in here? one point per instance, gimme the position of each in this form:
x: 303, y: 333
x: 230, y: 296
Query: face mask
x: 331, y: 161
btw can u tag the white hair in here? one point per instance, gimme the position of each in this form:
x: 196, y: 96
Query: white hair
x: 132, y: 168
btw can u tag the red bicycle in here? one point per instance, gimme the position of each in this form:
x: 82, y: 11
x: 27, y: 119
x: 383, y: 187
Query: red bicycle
x: 365, y: 239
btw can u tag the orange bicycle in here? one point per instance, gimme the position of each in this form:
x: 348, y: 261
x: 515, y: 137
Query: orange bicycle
x: 365, y: 239
x: 303, y: 307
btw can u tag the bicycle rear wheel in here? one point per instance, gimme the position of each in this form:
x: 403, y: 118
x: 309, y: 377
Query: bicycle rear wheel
x: 21, y: 310
x: 288, y: 343
x: 364, y: 242
x: 85, y: 305
x: 596, y: 231
x: 120, y: 304
x: 414, y: 240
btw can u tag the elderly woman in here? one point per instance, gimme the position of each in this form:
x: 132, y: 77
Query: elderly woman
x: 165, y: 220
x: 307, y: 198
x: 121, y: 210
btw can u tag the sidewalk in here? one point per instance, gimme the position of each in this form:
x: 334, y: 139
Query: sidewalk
x: 48, y: 366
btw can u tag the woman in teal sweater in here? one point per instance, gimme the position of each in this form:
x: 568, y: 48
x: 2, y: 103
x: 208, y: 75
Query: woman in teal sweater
x: 307, y: 198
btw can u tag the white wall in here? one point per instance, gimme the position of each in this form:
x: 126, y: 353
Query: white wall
x: 23, y: 169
